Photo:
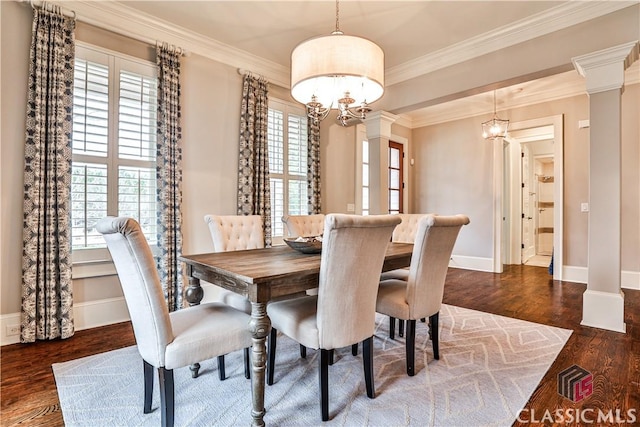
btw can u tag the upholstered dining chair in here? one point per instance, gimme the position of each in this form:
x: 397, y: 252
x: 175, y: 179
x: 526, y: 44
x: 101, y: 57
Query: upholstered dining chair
x: 421, y: 295
x: 343, y: 312
x: 304, y: 225
x: 405, y: 232
x: 167, y: 341
x: 235, y: 233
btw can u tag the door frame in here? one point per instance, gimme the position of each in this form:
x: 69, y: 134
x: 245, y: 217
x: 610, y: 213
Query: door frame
x: 506, y: 223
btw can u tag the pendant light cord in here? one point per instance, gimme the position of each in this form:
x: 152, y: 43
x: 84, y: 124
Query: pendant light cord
x: 337, y: 31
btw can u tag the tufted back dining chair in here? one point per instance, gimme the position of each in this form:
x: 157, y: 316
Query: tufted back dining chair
x: 405, y: 232
x: 420, y: 296
x: 343, y: 312
x: 235, y: 233
x: 166, y: 341
x: 304, y: 225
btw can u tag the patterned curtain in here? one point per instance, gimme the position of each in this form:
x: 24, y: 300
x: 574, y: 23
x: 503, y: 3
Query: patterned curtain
x: 47, y: 298
x: 254, y: 191
x: 313, y: 167
x: 169, y: 175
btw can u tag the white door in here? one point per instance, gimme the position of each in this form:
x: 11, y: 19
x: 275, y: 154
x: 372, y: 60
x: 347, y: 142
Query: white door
x: 528, y: 207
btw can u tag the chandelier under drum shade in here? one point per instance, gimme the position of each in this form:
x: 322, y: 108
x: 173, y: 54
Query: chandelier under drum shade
x: 496, y: 127
x: 337, y: 72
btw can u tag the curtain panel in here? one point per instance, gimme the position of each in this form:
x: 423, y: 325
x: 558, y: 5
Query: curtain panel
x: 254, y: 190
x: 313, y: 167
x: 47, y: 297
x: 169, y: 175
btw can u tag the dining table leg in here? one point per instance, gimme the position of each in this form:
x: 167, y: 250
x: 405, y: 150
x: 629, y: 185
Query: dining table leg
x: 193, y: 294
x: 259, y: 326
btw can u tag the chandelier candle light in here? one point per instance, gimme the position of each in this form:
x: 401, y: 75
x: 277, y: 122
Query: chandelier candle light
x: 496, y: 127
x: 337, y: 72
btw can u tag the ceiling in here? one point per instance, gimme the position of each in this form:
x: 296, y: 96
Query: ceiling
x: 413, y: 35
x: 405, y: 30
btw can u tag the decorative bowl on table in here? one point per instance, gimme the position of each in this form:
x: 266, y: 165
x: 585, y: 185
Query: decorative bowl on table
x: 306, y: 245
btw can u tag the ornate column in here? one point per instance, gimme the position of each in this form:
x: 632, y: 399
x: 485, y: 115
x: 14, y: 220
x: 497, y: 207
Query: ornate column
x: 378, y: 134
x: 603, y: 301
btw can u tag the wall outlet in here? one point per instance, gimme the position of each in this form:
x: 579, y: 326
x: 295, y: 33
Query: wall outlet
x: 584, y: 207
x: 351, y: 207
x: 12, y: 330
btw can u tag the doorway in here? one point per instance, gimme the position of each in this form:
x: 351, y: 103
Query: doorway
x: 532, y: 193
x: 537, y: 202
x: 396, y: 184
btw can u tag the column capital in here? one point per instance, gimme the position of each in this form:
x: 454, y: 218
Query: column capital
x: 379, y: 123
x: 604, y: 69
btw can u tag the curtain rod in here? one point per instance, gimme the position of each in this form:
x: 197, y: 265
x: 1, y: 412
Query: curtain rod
x: 71, y: 13
x: 243, y: 71
x: 179, y: 50
x: 51, y: 7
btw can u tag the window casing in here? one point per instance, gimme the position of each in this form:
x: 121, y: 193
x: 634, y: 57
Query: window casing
x: 288, y: 147
x: 114, y: 140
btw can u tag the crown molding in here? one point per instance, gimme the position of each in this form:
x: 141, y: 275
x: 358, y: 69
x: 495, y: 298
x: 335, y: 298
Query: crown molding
x: 463, y: 109
x: 124, y: 20
x: 130, y: 22
x: 540, y: 24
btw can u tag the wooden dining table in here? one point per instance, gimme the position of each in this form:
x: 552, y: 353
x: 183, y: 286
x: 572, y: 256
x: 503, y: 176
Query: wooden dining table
x: 264, y: 275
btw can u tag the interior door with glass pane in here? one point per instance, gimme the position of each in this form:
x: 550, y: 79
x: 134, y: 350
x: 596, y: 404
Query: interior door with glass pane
x: 396, y: 185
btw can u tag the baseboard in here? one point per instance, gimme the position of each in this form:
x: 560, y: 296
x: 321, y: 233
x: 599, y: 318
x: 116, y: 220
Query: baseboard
x: 574, y: 274
x: 86, y: 315
x: 628, y: 279
x: 471, y: 263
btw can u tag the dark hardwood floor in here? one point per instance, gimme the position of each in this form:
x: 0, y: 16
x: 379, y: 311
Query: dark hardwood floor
x: 28, y: 392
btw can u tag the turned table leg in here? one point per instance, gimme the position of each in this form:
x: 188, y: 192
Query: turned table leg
x: 260, y: 325
x: 193, y: 294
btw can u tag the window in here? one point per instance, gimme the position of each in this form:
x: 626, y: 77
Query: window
x: 365, y: 177
x: 114, y: 139
x: 287, y: 139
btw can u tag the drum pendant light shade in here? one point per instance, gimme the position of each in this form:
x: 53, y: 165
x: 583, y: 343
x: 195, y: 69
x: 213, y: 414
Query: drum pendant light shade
x: 331, y: 66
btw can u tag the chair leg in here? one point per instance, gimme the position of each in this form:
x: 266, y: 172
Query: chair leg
x: 303, y: 351
x: 392, y: 327
x: 411, y: 347
x: 367, y: 361
x: 148, y: 386
x: 247, y: 364
x: 166, y: 396
x: 221, y: 373
x: 354, y: 349
x: 433, y: 321
x: 323, y: 377
x: 400, y: 328
x: 331, y: 354
x: 271, y: 355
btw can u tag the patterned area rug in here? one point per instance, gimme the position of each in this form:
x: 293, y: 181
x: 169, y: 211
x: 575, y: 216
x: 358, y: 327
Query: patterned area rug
x: 489, y: 366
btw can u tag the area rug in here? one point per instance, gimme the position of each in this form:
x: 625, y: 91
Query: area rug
x: 489, y: 366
